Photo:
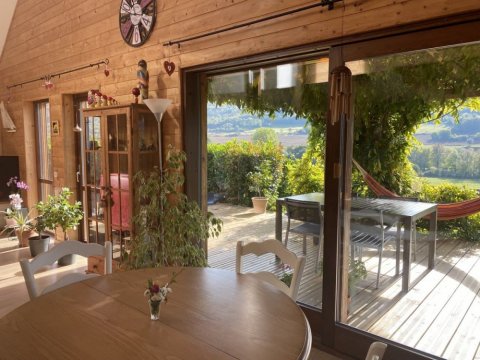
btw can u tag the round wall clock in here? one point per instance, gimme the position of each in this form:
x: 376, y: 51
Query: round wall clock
x: 137, y: 18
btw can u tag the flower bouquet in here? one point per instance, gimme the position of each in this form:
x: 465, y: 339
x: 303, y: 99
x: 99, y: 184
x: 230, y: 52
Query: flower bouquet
x: 157, y: 295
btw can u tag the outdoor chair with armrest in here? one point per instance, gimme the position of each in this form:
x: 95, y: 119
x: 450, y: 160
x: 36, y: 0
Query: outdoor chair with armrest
x: 399, y: 229
x: 311, y: 218
x: 369, y: 230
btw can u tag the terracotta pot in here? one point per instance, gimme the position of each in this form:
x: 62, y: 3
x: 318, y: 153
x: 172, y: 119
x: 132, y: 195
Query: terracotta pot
x: 23, y: 237
x: 259, y: 204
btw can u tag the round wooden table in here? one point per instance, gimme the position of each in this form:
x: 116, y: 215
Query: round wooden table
x: 211, y: 314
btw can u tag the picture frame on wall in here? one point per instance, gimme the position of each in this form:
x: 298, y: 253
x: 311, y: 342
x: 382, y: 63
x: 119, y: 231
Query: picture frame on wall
x: 55, y: 127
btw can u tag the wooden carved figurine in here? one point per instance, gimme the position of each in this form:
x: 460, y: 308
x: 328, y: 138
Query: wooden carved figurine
x: 142, y: 76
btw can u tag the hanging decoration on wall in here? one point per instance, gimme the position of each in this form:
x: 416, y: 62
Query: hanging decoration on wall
x: 136, y: 20
x: 7, y: 121
x: 169, y: 67
x: 143, y: 78
x: 49, y: 77
x: 107, y: 70
x: 48, y: 84
x: 340, y: 93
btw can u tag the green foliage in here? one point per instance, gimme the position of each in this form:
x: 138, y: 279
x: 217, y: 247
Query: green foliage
x: 305, y: 175
x: 356, y: 272
x: 170, y: 229
x: 231, y: 164
x: 443, y: 161
x: 265, y: 135
x: 59, y: 211
x: 21, y: 222
x: 466, y: 228
x: 260, y: 179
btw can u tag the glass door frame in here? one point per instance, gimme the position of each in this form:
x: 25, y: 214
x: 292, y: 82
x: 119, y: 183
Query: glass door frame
x: 325, y: 325
x: 336, y: 335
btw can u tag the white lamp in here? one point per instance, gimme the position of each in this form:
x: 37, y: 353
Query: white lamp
x: 158, y: 107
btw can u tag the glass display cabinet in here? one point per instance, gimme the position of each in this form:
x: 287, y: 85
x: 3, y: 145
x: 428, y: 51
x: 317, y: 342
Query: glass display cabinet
x: 117, y: 142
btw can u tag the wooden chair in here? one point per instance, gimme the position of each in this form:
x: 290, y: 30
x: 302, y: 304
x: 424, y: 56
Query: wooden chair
x: 310, y: 214
x: 297, y: 263
x: 369, y: 230
x: 376, y: 351
x: 30, y: 267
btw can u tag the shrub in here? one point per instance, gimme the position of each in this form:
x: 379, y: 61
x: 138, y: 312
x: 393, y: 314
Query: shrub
x: 230, y: 164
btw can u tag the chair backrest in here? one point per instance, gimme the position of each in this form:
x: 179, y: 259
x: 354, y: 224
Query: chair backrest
x: 376, y: 351
x: 30, y: 267
x: 369, y: 221
x: 297, y: 263
x: 306, y: 211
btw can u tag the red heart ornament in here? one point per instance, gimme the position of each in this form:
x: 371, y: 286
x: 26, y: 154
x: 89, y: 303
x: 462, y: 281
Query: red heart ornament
x: 169, y: 67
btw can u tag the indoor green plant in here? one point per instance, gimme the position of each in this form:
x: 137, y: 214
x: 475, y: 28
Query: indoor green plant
x: 169, y: 229
x: 22, y: 224
x: 58, y: 211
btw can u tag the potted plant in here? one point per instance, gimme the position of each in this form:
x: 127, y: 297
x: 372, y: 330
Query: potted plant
x: 259, y: 182
x: 58, y: 211
x: 23, y: 225
x: 356, y: 272
x: 169, y: 229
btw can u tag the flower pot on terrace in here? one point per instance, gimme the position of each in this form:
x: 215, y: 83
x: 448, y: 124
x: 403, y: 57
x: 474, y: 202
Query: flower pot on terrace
x: 259, y: 204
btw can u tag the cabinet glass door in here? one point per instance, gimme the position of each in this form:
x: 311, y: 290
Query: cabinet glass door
x: 118, y: 180
x: 93, y: 181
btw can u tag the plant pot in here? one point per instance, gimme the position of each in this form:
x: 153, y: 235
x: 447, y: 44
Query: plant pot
x: 23, y: 237
x: 66, y: 260
x: 38, y: 244
x: 259, y: 204
x: 10, y: 222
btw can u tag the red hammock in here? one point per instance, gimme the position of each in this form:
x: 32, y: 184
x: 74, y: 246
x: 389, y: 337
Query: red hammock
x: 445, y: 211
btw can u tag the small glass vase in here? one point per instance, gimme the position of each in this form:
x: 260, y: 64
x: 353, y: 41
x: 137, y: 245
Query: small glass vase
x: 154, y: 309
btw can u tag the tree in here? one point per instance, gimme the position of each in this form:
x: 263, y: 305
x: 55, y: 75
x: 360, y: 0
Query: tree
x: 392, y: 97
x: 265, y: 135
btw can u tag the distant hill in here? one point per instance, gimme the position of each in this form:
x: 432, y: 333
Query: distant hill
x: 230, y: 119
x: 467, y: 131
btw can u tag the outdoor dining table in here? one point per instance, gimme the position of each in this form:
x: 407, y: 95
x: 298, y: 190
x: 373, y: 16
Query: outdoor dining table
x: 408, y: 212
x: 211, y: 314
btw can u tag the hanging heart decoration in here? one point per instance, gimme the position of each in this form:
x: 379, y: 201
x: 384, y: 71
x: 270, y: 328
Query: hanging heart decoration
x: 169, y: 67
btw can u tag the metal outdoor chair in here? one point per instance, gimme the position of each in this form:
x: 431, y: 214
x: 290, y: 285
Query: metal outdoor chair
x: 399, y: 228
x: 30, y: 267
x: 311, y: 218
x: 369, y: 230
x: 296, y: 263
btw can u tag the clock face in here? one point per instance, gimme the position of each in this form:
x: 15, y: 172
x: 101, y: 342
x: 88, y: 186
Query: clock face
x: 137, y: 18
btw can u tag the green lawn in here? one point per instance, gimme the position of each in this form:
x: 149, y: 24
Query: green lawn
x: 469, y: 183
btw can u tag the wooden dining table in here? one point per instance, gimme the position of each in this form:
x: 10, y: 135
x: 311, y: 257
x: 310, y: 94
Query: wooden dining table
x: 407, y: 212
x: 211, y: 314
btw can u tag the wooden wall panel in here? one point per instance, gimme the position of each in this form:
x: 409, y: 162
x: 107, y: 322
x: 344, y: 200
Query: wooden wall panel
x: 51, y: 35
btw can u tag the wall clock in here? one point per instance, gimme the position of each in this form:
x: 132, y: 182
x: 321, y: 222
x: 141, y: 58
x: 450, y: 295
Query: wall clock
x: 137, y: 18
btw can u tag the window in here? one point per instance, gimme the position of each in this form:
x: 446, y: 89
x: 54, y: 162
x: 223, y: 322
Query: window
x: 44, y: 149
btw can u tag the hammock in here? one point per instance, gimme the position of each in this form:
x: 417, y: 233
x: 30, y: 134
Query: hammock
x: 445, y: 211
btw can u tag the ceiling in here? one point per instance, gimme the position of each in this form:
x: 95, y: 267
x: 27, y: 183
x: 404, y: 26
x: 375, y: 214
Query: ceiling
x: 6, y: 14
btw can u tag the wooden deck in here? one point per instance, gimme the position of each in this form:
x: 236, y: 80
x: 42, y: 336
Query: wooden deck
x: 439, y: 315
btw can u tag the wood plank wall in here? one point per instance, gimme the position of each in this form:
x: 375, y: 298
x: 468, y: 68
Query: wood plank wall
x: 53, y: 35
